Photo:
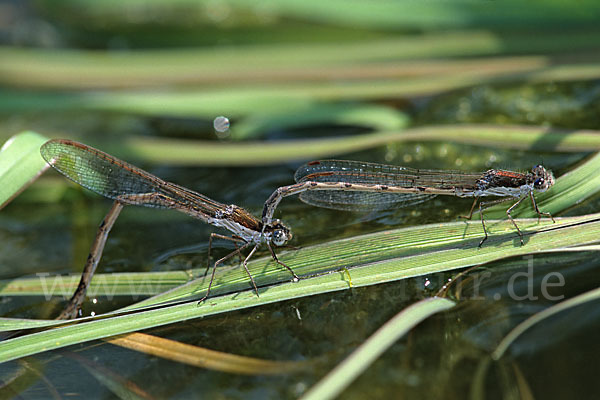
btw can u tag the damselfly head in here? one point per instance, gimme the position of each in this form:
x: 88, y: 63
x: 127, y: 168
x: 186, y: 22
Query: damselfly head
x: 542, y: 179
x: 280, y: 233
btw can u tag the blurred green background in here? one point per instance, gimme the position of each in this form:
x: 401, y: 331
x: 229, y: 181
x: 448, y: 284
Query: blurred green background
x: 451, y: 84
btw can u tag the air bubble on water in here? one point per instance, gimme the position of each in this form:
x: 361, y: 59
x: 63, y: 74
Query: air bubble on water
x: 221, y: 124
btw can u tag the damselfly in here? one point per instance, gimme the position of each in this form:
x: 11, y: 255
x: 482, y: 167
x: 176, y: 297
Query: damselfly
x: 129, y: 185
x: 355, y: 185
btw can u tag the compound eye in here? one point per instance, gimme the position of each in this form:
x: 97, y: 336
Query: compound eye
x: 539, y: 183
x: 279, y: 237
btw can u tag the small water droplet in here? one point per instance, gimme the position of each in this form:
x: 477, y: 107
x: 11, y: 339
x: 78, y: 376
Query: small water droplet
x: 221, y: 124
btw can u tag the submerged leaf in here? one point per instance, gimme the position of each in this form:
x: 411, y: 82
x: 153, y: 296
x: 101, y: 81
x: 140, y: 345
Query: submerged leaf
x: 342, y: 376
x: 204, y: 358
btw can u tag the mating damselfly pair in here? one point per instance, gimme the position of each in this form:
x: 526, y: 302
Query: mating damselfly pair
x: 349, y: 185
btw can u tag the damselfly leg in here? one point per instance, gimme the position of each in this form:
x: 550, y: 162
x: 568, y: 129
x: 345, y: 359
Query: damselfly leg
x: 74, y: 304
x: 228, y: 256
x: 537, y: 210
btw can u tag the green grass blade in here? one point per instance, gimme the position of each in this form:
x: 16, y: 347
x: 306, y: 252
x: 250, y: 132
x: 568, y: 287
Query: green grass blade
x: 16, y: 324
x: 375, y: 117
x: 395, y: 15
x: 118, y: 284
x: 188, y: 152
x: 342, y: 376
x: 196, y: 152
x: 432, y: 245
x: 232, y: 101
x: 380, y: 15
x: 521, y: 137
x: 20, y: 164
x: 286, y: 62
x: 383, y: 257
